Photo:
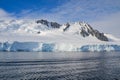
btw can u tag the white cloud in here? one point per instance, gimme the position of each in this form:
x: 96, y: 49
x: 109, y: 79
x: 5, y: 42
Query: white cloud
x: 108, y: 24
x: 5, y: 15
x: 74, y: 10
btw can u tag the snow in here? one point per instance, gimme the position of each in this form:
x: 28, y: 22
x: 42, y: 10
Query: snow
x: 22, y: 35
x: 112, y: 38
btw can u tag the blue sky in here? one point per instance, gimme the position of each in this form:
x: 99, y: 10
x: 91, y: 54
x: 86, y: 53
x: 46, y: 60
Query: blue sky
x: 67, y: 10
x: 102, y: 14
x: 17, y: 6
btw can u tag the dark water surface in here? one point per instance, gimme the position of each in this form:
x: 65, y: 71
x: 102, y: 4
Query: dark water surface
x: 59, y: 66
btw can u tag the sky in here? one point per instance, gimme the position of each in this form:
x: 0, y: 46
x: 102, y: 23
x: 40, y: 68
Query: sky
x: 103, y: 15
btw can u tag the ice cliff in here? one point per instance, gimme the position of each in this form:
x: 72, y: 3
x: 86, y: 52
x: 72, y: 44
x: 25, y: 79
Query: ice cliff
x: 52, y: 47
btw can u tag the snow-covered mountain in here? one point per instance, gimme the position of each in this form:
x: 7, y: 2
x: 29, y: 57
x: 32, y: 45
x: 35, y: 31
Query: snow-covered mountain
x: 42, y: 35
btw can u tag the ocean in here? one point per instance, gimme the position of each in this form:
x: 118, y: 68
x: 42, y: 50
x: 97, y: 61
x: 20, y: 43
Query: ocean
x: 59, y: 65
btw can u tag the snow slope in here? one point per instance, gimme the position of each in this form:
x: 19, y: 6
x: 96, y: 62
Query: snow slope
x: 27, y: 35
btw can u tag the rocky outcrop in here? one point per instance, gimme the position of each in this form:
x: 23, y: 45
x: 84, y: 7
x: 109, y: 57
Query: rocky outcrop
x: 55, y: 25
x: 84, y: 33
x: 67, y: 26
x: 100, y: 36
x: 45, y: 22
x: 93, y: 32
x: 86, y: 30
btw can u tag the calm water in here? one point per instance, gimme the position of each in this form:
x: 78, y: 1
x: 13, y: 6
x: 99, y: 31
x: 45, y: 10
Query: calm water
x: 59, y: 66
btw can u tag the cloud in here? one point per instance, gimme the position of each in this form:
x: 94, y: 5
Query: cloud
x: 5, y: 15
x: 62, y: 13
x: 75, y: 10
x: 108, y: 24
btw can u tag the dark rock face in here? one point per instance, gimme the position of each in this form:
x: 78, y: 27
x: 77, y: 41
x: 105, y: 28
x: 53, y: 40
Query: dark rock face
x: 38, y: 32
x: 84, y: 33
x: 86, y: 30
x: 67, y: 26
x: 100, y: 36
x: 45, y: 22
x: 91, y: 31
x: 55, y: 25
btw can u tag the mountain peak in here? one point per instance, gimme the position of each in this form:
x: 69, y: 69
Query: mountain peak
x: 85, y: 30
x: 47, y: 23
x: 41, y: 26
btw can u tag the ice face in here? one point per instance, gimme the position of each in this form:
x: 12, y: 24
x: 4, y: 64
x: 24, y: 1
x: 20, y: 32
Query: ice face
x: 48, y: 47
x: 100, y: 48
x: 54, y: 47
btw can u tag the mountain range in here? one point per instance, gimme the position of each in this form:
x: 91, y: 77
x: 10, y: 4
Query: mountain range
x: 43, y: 35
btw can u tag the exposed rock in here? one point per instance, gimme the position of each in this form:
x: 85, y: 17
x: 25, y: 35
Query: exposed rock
x: 85, y: 29
x: 38, y: 32
x: 45, y: 22
x: 84, y: 33
x: 91, y: 31
x: 100, y: 36
x: 67, y: 26
x: 55, y: 25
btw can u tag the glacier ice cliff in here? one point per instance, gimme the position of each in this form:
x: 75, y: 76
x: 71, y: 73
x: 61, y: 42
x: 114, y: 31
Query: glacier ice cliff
x: 54, y: 47
x: 102, y: 47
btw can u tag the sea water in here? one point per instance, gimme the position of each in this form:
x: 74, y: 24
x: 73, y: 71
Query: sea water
x: 60, y: 66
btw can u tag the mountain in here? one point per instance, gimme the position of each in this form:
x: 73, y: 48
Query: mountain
x: 49, y: 24
x: 43, y: 35
x: 80, y: 28
x: 85, y: 30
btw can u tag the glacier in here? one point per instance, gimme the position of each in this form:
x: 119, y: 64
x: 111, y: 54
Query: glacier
x: 55, y: 47
x: 45, y: 36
